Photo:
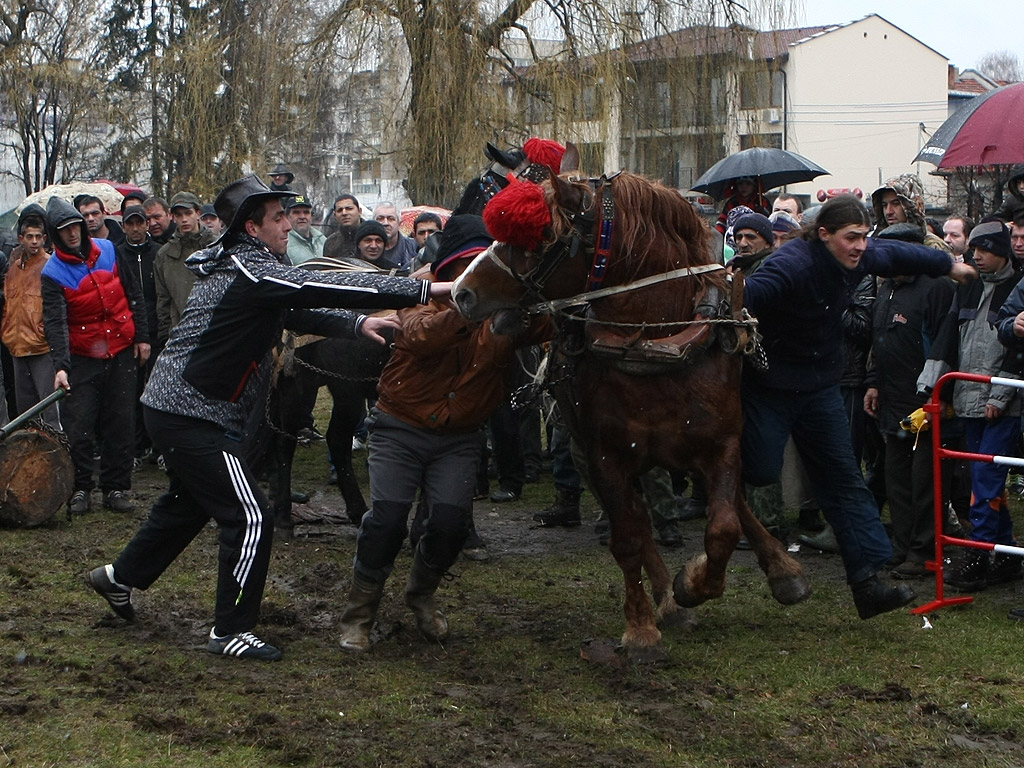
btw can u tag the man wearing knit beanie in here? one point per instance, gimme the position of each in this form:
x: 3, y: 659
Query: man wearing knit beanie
x: 991, y: 236
x: 755, y: 241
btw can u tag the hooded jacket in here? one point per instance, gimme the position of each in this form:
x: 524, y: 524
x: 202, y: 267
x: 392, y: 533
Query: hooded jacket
x: 89, y: 298
x: 910, y: 194
x: 1013, y: 202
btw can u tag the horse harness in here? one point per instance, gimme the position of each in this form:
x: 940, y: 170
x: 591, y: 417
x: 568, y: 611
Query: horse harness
x: 625, y: 345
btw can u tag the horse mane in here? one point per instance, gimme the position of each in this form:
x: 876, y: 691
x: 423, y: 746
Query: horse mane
x: 657, y: 224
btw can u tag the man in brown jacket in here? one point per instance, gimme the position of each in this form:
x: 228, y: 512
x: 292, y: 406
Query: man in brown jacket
x: 22, y: 329
x: 445, y: 377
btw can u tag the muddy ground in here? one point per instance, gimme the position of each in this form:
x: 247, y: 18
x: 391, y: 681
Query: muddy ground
x: 530, y: 677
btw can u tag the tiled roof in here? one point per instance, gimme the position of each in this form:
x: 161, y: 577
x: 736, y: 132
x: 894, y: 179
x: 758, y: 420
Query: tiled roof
x: 704, y: 41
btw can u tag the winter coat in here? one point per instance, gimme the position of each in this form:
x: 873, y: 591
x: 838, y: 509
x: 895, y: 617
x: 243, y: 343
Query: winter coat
x: 908, y: 314
x: 173, y: 279
x: 447, y: 374
x: 22, y: 329
x: 1013, y: 203
x: 969, y: 342
x: 92, y: 305
x: 799, y: 296
x: 301, y: 249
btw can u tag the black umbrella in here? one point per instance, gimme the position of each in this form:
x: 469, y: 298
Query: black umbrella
x: 774, y: 167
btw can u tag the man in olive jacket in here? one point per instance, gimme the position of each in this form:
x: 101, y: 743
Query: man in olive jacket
x: 173, y: 279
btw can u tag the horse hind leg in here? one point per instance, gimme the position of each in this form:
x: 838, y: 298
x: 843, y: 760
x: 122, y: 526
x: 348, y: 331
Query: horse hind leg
x: 786, y: 577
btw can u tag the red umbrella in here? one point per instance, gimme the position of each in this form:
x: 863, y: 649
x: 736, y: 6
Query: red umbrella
x: 987, y: 130
x: 409, y: 216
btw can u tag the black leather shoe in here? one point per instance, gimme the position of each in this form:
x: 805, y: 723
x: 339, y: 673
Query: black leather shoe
x: 502, y: 495
x: 873, y: 596
x: 298, y: 497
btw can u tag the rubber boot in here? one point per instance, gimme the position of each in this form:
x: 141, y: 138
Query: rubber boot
x: 419, y: 596
x: 824, y: 541
x: 565, y: 511
x: 360, y: 613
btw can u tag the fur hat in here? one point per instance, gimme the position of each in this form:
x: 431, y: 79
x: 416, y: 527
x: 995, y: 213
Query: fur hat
x: 368, y: 228
x: 756, y: 222
x: 463, y: 237
x: 993, y: 237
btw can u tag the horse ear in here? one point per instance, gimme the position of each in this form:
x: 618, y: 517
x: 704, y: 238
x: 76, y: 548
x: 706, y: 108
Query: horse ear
x: 562, y: 189
x: 571, y: 158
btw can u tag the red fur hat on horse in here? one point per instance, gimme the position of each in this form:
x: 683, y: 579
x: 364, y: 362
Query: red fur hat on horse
x: 518, y: 215
x: 544, y: 152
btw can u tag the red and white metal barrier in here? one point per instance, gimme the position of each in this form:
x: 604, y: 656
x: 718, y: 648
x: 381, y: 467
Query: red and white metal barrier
x: 933, y: 408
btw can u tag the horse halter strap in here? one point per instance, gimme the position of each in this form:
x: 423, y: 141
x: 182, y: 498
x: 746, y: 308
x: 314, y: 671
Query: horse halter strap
x: 603, y: 247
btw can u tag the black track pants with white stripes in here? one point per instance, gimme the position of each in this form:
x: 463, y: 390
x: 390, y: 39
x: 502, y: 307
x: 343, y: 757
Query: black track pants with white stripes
x: 209, y: 479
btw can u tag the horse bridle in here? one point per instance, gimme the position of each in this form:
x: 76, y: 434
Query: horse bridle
x: 580, y: 236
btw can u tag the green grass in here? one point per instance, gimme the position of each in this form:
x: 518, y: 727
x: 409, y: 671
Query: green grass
x: 754, y: 684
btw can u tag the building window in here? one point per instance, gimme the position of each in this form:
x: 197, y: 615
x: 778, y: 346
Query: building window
x: 761, y: 88
x: 772, y: 140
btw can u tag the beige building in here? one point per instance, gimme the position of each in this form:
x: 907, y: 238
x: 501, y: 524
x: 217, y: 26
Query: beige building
x: 860, y: 99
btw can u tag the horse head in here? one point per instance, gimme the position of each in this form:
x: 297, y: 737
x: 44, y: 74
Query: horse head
x: 546, y: 237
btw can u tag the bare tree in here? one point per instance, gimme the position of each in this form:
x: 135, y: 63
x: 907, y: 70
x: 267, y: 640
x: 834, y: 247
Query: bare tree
x: 53, y: 118
x: 455, y: 63
x: 1001, y: 65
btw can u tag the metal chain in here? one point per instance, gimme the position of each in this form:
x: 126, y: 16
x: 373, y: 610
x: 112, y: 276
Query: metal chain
x: 333, y: 374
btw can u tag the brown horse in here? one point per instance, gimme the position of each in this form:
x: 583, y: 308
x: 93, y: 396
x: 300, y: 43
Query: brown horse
x: 641, y: 387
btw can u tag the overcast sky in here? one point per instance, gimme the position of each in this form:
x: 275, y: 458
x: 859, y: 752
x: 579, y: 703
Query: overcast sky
x: 961, y: 30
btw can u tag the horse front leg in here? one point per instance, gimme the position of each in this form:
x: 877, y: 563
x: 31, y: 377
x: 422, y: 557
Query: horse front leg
x: 703, y: 577
x: 632, y: 546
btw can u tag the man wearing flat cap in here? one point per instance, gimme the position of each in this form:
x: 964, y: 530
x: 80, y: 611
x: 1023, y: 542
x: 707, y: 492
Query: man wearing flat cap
x: 211, y: 376
x: 173, y: 279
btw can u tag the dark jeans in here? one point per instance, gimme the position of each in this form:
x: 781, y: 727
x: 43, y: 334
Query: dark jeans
x: 910, y: 486
x: 102, y: 394
x: 209, y: 479
x: 821, y: 431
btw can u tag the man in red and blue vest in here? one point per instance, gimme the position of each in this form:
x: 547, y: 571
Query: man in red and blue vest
x: 95, y: 322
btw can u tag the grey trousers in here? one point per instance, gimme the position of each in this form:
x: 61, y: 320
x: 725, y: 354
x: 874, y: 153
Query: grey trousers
x: 403, y: 459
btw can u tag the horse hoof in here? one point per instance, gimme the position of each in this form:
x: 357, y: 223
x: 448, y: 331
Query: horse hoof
x: 684, y: 586
x: 646, y: 655
x: 681, y: 619
x: 790, y: 590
